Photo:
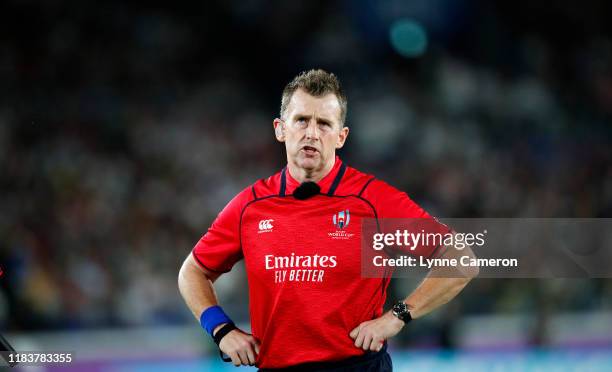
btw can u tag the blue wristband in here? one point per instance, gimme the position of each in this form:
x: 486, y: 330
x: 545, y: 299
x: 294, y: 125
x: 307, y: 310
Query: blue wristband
x: 212, y: 317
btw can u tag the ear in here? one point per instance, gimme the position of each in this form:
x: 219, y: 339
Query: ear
x: 279, y: 129
x: 344, y: 132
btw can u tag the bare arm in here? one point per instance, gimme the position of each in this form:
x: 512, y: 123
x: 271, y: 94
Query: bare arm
x: 439, y: 286
x: 196, y: 286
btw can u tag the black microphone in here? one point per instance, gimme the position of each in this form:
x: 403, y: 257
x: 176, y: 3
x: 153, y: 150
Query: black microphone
x: 306, y: 190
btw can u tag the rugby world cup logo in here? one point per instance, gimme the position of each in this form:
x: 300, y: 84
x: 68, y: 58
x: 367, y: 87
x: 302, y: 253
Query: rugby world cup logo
x: 341, y: 219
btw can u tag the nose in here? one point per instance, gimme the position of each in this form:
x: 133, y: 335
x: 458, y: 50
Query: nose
x: 312, y: 132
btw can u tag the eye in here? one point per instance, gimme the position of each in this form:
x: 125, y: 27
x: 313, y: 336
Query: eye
x: 302, y: 122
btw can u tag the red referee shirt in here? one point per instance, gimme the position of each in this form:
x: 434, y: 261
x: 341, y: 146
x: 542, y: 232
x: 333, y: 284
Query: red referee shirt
x: 302, y: 259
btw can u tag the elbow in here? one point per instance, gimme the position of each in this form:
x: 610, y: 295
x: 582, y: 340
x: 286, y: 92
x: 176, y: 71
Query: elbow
x: 476, y: 272
x: 468, y: 273
x: 181, y: 276
x: 471, y: 272
x: 465, y: 274
x: 185, y: 273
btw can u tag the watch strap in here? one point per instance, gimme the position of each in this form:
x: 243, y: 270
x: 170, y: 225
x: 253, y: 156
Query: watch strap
x: 222, y: 332
x: 227, y: 328
x: 406, y: 317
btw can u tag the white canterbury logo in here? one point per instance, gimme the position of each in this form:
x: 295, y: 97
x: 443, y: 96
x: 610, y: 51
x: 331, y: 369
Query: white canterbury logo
x: 265, y: 225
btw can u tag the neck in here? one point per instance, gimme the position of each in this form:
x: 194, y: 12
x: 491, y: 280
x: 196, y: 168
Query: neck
x: 312, y: 175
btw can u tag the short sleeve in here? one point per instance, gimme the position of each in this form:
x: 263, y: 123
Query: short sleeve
x: 219, y: 249
x: 398, y: 212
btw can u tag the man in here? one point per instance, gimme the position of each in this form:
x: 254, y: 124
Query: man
x: 299, y: 234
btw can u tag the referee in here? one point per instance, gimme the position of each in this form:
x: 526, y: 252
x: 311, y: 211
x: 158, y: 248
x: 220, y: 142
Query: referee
x: 300, y: 236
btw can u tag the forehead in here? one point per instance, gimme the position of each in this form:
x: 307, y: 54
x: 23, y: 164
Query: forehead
x: 326, y: 106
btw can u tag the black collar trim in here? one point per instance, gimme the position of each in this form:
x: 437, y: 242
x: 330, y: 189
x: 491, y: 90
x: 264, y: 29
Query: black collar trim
x: 337, y: 180
x: 283, y: 185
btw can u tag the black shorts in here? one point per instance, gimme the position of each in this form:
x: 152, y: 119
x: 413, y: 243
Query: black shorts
x: 379, y: 361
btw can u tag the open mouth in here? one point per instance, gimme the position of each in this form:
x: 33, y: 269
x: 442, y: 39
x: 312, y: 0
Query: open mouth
x: 309, y: 150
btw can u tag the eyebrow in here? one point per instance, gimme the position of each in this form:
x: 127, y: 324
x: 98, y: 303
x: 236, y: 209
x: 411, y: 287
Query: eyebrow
x: 320, y: 119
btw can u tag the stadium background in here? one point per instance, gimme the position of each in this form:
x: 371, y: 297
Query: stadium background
x: 124, y: 129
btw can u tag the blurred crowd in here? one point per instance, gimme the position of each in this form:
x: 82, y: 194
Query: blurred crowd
x: 124, y: 131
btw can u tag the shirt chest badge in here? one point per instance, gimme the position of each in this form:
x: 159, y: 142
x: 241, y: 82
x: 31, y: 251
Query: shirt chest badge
x: 340, y: 221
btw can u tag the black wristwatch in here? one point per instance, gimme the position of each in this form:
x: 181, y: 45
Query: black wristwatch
x: 222, y: 332
x: 400, y: 310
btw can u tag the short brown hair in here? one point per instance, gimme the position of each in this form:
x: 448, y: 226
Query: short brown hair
x: 317, y: 83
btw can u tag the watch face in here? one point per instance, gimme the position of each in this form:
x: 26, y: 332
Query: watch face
x: 400, y: 308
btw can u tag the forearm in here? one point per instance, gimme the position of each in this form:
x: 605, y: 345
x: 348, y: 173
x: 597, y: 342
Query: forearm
x: 432, y: 293
x: 441, y: 285
x: 196, y: 288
